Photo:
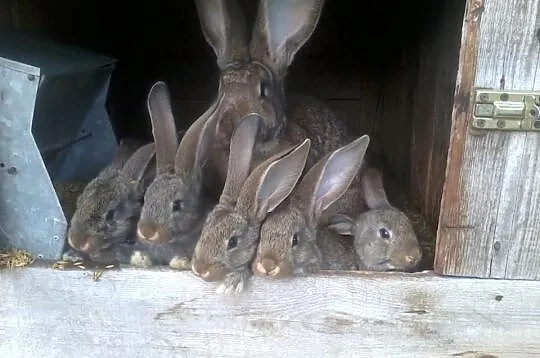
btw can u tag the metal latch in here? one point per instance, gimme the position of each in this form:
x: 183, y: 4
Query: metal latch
x: 506, y: 110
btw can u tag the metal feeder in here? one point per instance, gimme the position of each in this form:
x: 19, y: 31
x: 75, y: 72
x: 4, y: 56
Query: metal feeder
x: 53, y: 126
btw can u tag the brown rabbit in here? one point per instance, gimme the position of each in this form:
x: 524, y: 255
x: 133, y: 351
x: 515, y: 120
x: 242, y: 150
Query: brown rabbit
x: 110, y: 203
x: 252, y: 79
x: 384, y: 239
x: 229, y: 237
x: 288, y: 237
x: 175, y: 206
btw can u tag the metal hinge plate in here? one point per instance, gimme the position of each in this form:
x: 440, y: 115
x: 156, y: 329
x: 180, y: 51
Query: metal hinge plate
x: 506, y: 110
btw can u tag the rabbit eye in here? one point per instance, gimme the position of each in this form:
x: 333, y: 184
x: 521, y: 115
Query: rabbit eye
x: 177, y: 205
x: 233, y: 241
x: 264, y: 89
x: 110, y: 215
x: 295, y: 240
x: 385, y: 234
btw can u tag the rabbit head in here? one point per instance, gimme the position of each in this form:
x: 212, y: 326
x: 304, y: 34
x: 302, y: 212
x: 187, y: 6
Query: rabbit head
x: 229, y: 237
x: 252, y: 74
x: 288, y: 236
x: 384, y: 238
x: 173, y: 203
x: 109, y: 206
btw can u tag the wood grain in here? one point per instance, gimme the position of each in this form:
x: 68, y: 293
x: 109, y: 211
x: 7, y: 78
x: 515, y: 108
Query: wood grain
x: 155, y: 313
x: 489, y: 225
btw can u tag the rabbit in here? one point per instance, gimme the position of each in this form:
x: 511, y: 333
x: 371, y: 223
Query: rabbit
x: 103, y: 229
x: 125, y: 149
x: 288, y: 244
x: 110, y: 203
x: 252, y: 80
x: 174, y: 206
x: 230, y: 234
x: 384, y: 238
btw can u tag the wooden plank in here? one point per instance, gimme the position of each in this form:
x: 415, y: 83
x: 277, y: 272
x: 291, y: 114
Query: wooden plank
x: 158, y: 312
x: 487, y: 225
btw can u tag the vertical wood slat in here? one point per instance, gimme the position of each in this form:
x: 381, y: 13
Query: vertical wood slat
x: 431, y: 108
x: 489, y: 223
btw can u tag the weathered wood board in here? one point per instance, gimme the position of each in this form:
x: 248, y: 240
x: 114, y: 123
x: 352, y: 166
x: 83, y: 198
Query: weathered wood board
x: 489, y: 223
x: 163, y: 313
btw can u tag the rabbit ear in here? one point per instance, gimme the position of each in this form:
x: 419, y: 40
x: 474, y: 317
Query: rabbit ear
x: 281, y: 29
x: 342, y: 224
x: 194, y: 147
x: 240, y: 155
x: 125, y: 149
x: 138, y: 164
x: 328, y: 180
x: 372, y: 185
x: 224, y: 28
x: 163, y: 126
x: 272, y: 181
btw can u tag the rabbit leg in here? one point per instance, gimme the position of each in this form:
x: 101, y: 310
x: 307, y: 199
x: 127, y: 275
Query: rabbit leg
x: 72, y: 255
x: 234, y: 282
x: 180, y: 263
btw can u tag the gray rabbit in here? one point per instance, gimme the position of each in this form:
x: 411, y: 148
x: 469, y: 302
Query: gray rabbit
x: 110, y: 203
x: 230, y: 235
x: 175, y: 205
x: 252, y: 80
x: 384, y: 238
x: 288, y: 243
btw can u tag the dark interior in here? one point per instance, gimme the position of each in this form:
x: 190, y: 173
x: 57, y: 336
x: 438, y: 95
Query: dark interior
x: 388, y: 67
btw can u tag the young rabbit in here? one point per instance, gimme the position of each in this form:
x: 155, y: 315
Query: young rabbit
x: 384, y: 239
x: 252, y: 79
x: 230, y: 234
x: 288, y: 237
x: 109, y: 204
x: 105, y: 178
x: 174, y: 205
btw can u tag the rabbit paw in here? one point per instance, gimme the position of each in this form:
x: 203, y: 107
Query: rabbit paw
x: 180, y: 263
x: 71, y: 255
x: 233, y: 284
x: 140, y: 259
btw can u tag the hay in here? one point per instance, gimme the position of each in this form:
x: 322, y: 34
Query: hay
x: 15, y: 258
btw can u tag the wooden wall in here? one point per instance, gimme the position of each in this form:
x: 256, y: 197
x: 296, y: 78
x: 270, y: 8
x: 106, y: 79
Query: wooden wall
x: 489, y: 226
x: 394, y: 81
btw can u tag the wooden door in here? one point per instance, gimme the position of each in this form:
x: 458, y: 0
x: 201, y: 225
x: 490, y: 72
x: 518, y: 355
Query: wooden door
x: 489, y: 223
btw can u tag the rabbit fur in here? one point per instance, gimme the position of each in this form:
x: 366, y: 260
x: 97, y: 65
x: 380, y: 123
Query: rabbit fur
x: 384, y: 238
x: 110, y: 203
x: 102, y: 228
x: 252, y: 80
x: 175, y: 205
x: 230, y: 234
x: 288, y: 237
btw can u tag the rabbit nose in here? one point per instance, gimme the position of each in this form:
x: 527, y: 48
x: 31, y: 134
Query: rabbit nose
x: 148, y: 231
x: 205, y: 274
x: 77, y: 243
x: 410, y: 259
x: 414, y: 257
x: 268, y: 266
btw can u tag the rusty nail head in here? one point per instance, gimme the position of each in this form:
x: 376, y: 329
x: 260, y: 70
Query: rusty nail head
x: 484, y: 97
x: 504, y: 97
x: 480, y: 122
x: 501, y: 123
